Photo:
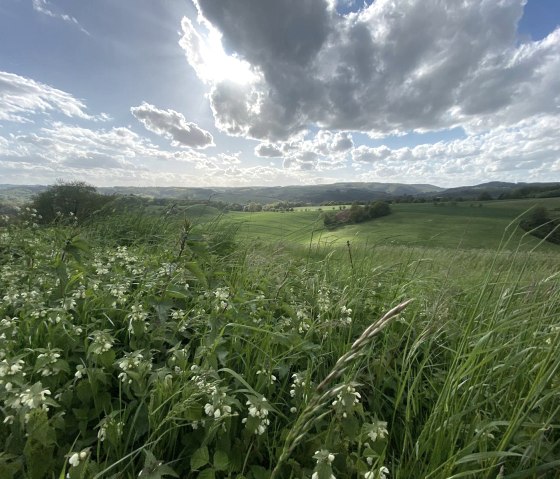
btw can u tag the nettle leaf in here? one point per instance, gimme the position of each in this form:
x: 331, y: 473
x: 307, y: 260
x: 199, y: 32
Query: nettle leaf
x: 84, y: 392
x: 39, y: 447
x: 154, y: 469
x: 200, y: 458
x: 195, y: 269
x: 207, y: 474
x: 221, y: 460
x: 61, y: 365
x: 10, y: 465
x: 324, y: 470
x: 106, y: 359
x: 259, y: 472
x: 351, y: 426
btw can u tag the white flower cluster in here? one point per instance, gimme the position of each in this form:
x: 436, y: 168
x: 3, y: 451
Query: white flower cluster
x: 118, y: 291
x: 377, y: 430
x: 346, y: 399
x: 297, y: 388
x: 132, y: 362
x: 166, y: 269
x: 323, y: 299
x: 80, y: 292
x: 128, y: 259
x: 102, y: 342
x: 76, y: 457
x: 101, y: 268
x: 199, y: 379
x: 271, y: 378
x: 257, y: 420
x: 68, y: 303
x: 304, y: 323
x: 110, y: 425
x: 45, y: 362
x: 381, y: 473
x: 222, y: 296
x: 33, y: 397
x: 11, y: 368
x: 9, y: 324
x: 81, y: 371
x: 345, y: 316
x: 217, y: 406
x: 30, y: 215
x: 323, y: 468
x: 181, y: 316
x: 137, y: 318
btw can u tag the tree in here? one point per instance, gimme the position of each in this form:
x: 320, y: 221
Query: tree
x: 73, y: 198
x: 378, y: 209
x: 539, y: 216
x: 484, y: 196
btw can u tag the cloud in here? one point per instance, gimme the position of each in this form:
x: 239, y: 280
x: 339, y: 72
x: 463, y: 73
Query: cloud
x: 42, y: 6
x: 305, y: 152
x: 366, y: 154
x: 391, y: 67
x: 173, y: 126
x: 304, y: 160
x: 526, y: 151
x: 267, y: 150
x: 22, y: 97
x: 70, y: 145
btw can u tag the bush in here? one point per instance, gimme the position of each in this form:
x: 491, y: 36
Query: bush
x: 538, y: 223
x: 74, y: 198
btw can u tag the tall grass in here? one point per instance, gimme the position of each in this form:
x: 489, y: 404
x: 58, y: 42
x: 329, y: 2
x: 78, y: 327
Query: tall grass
x: 210, y: 360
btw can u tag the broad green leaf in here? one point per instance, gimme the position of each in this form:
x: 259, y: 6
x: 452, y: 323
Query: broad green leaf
x: 207, y: 474
x: 221, y: 460
x: 200, y: 458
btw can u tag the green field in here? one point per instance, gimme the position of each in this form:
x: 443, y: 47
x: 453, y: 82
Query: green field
x: 481, y: 225
x: 251, y: 346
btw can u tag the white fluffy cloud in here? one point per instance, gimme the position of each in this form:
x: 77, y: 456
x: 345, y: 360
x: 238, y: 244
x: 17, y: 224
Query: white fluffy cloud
x: 172, y: 125
x: 21, y: 97
x: 325, y: 150
x: 528, y: 150
x: 83, y: 148
x: 393, y: 66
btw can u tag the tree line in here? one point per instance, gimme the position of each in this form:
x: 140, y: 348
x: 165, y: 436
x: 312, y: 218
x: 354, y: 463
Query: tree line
x: 356, y: 214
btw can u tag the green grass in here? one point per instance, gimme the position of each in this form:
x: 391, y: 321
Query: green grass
x: 463, y: 383
x: 460, y: 226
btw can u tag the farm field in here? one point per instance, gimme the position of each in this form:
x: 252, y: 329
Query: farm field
x: 463, y: 225
x: 141, y: 346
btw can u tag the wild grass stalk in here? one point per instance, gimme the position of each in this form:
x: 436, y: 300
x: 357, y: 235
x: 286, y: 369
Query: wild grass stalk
x: 312, y: 411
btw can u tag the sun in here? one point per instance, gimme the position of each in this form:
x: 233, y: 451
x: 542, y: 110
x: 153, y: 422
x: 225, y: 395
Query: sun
x: 205, y: 53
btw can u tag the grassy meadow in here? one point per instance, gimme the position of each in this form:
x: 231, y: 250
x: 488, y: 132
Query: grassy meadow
x: 460, y: 225
x: 258, y: 345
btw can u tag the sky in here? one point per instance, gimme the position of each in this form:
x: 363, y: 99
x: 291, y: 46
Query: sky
x: 279, y: 92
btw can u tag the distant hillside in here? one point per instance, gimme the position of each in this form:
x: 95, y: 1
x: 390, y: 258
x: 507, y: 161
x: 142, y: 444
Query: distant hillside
x: 502, y: 190
x: 314, y: 194
x: 18, y: 194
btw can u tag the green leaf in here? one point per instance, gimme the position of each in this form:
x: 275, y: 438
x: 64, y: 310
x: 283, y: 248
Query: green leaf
x: 200, y: 458
x: 259, y: 472
x: 84, y: 392
x: 9, y: 465
x: 221, y: 460
x: 154, y: 469
x: 207, y: 474
x: 195, y: 269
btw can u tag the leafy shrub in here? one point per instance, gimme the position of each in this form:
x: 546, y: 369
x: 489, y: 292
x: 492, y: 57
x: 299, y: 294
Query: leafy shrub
x: 74, y: 198
x: 539, y: 223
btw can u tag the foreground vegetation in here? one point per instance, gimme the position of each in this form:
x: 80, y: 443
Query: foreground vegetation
x: 138, y: 346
